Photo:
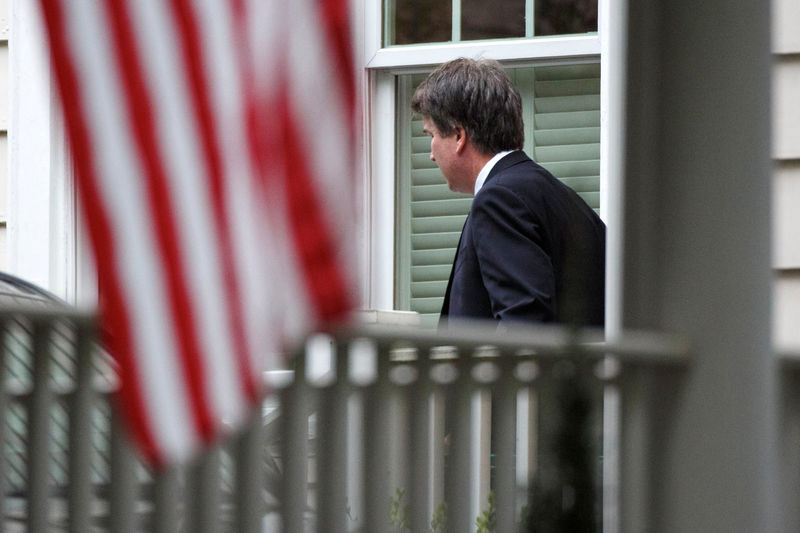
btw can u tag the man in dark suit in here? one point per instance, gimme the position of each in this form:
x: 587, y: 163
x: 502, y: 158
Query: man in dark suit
x: 531, y: 248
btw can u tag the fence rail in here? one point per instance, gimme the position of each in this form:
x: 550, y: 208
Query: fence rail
x: 373, y: 429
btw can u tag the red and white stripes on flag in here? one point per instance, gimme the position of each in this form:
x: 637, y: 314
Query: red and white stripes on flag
x: 213, y: 146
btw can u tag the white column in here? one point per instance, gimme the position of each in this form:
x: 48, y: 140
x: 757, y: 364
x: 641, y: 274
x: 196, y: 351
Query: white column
x: 42, y: 235
x: 697, y: 263
x: 29, y: 147
x: 379, y: 192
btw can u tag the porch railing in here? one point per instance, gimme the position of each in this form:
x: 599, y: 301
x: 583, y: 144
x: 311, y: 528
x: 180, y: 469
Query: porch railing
x: 373, y: 429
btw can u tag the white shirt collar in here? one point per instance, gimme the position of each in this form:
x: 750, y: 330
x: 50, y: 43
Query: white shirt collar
x: 484, y: 173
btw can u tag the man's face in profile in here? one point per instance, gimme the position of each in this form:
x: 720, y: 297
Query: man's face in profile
x: 445, y: 153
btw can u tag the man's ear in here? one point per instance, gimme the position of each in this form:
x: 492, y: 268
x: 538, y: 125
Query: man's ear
x: 461, y: 140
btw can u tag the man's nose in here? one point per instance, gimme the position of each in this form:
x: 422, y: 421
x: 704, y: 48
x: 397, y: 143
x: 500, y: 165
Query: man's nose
x: 432, y: 158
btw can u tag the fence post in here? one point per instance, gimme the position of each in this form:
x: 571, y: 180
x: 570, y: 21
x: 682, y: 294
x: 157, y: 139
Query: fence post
x: 166, y: 501
x: 504, y: 422
x: 124, y: 485
x: 80, y: 436
x: 202, y: 493
x: 40, y: 401
x: 421, y: 438
x: 250, y: 476
x: 458, y: 472
x: 376, y: 448
x: 332, y: 448
x: 294, y: 449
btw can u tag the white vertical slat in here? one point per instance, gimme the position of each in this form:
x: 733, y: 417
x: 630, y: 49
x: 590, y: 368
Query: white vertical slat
x: 124, y: 486
x: 376, y: 443
x: 437, y: 450
x: 249, y: 503
x: 480, y: 456
x: 332, y: 449
x: 527, y: 444
x: 420, y: 449
x: 458, y: 472
x: 398, y: 416
x: 166, y: 500
x: 294, y: 449
x: 355, y: 462
x: 203, y: 497
x: 40, y: 401
x: 80, y: 442
x: 504, y: 418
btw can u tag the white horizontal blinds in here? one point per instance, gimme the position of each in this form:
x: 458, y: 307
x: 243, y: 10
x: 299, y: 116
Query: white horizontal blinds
x: 566, y: 126
x: 562, y: 130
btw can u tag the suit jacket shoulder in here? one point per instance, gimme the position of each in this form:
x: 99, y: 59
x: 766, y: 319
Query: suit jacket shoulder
x: 530, y: 245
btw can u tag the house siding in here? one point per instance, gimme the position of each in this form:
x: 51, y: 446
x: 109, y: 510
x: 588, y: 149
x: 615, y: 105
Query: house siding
x: 786, y: 180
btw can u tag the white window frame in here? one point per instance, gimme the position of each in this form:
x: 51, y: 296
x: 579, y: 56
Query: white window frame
x: 383, y: 64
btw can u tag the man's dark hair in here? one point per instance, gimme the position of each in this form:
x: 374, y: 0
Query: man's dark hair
x: 476, y: 95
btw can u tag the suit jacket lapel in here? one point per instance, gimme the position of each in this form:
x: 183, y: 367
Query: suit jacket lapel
x: 511, y: 159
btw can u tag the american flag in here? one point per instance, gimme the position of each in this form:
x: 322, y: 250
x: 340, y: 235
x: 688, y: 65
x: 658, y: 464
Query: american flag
x: 213, y: 146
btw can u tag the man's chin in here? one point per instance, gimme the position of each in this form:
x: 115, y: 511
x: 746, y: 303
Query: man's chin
x: 452, y: 186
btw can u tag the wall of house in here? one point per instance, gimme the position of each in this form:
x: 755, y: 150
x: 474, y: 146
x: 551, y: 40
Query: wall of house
x: 786, y: 184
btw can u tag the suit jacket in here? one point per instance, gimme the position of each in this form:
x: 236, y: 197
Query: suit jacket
x: 531, y: 249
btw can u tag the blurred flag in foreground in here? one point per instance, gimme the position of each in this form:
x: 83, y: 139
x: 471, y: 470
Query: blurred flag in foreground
x: 213, y: 147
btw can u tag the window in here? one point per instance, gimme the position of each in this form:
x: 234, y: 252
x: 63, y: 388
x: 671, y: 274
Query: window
x: 552, y: 49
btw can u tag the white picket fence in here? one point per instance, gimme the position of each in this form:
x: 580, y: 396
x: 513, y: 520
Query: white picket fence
x: 374, y: 429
